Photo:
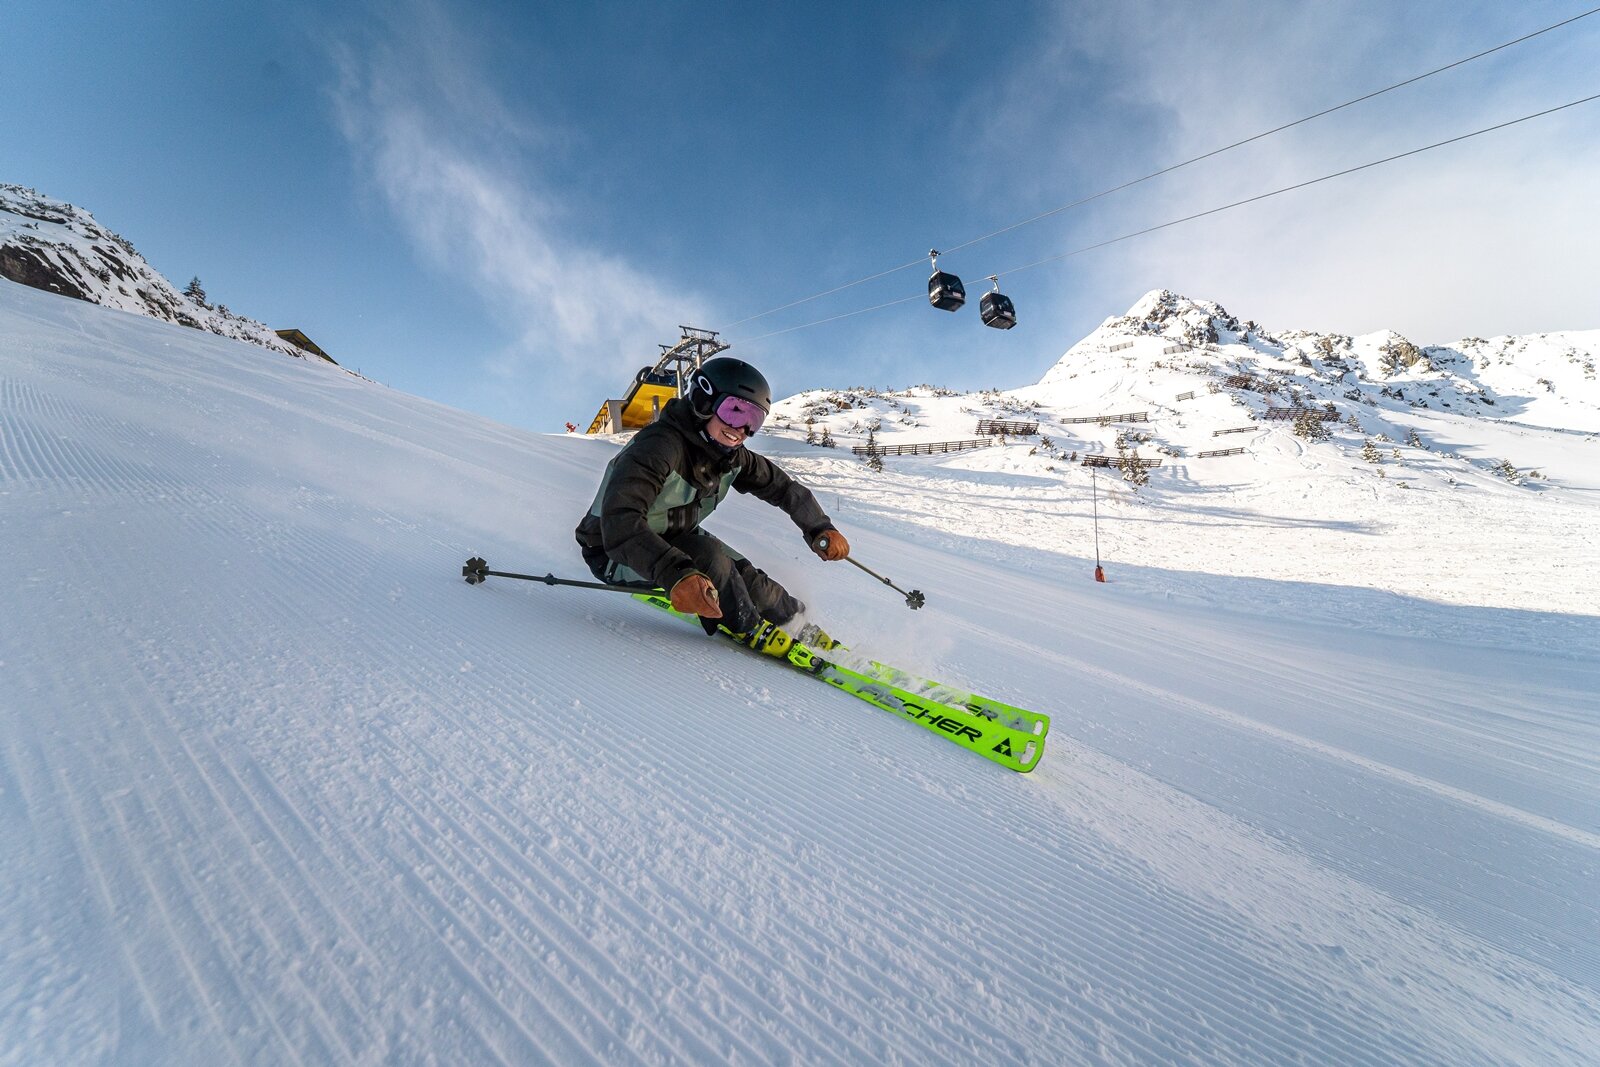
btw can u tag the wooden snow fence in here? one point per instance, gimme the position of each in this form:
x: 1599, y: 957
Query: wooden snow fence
x: 1117, y: 461
x: 1284, y: 414
x: 924, y: 448
x: 1236, y: 429
x: 1132, y: 416
x: 1002, y: 428
x: 1220, y: 452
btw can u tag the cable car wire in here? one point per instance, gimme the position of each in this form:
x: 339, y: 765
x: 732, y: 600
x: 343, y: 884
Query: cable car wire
x: 1268, y: 133
x: 1164, y: 170
x: 835, y: 318
x: 1213, y: 211
x: 1305, y: 184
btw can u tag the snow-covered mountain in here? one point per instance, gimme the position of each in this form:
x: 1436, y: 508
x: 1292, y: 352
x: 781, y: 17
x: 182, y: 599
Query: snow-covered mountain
x: 1544, y: 379
x: 51, y: 245
x: 276, y: 786
x: 1185, y: 367
x: 1479, y: 450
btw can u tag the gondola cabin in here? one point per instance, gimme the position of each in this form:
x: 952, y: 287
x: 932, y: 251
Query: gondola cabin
x: 945, y: 291
x: 997, y: 311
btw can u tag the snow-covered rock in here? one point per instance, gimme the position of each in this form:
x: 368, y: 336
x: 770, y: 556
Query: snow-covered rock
x: 52, y: 245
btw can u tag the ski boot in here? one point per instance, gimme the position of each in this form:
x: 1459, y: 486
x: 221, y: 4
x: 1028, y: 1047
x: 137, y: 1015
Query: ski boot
x: 767, y: 638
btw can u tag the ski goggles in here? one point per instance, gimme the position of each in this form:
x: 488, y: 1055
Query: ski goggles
x: 741, y: 414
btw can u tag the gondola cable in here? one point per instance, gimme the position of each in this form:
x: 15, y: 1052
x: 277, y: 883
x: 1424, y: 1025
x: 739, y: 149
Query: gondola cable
x: 1211, y: 211
x: 1307, y: 183
x: 1156, y: 174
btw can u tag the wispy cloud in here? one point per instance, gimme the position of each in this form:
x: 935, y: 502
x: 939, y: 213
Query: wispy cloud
x: 458, y: 166
x: 1484, y: 237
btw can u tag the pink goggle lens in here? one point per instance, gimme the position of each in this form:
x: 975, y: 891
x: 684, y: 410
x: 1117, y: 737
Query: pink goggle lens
x: 740, y: 414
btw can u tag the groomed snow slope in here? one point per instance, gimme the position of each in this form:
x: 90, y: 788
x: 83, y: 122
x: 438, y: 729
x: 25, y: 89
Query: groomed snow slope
x: 276, y: 786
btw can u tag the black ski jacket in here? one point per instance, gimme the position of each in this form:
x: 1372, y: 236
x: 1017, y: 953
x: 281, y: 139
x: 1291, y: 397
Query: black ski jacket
x: 665, y: 482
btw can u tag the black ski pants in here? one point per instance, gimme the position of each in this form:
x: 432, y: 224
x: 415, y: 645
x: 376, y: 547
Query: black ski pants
x: 745, y: 592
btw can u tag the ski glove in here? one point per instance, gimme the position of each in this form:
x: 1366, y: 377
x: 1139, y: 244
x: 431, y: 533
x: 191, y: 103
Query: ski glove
x: 831, y: 545
x: 695, y: 595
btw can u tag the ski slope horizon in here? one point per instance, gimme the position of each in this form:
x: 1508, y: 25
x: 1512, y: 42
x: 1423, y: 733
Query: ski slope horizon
x: 279, y: 787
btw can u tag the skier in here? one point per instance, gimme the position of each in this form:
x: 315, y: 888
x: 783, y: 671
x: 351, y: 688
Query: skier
x: 644, y: 525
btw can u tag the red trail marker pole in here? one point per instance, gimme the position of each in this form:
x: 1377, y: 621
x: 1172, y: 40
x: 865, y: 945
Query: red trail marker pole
x: 1094, y: 491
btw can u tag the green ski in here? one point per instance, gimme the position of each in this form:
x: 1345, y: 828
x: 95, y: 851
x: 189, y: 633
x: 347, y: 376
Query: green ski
x: 927, y: 689
x: 1011, y: 737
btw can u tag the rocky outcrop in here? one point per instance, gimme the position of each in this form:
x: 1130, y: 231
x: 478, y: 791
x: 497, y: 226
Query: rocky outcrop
x: 51, y: 245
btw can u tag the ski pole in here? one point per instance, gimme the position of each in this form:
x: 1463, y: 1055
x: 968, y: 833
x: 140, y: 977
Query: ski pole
x: 476, y: 570
x: 914, y: 599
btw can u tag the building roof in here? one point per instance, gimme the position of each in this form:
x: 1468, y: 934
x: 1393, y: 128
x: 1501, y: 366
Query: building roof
x: 301, y: 341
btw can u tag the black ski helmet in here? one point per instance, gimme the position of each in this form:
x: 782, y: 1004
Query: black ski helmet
x: 726, y: 376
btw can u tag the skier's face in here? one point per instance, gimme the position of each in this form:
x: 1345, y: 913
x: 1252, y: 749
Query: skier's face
x: 723, y: 434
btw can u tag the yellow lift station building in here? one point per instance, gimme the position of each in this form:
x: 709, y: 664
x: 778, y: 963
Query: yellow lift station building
x: 653, y: 386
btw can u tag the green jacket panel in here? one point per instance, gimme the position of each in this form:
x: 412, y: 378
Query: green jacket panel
x: 666, y: 482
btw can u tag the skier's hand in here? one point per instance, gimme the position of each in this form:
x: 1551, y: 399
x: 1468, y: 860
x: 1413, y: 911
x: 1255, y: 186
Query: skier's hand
x: 695, y: 595
x: 831, y: 545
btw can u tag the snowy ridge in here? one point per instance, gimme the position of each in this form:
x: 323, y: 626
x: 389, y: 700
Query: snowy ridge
x: 1549, y: 376
x: 51, y: 245
x: 276, y: 786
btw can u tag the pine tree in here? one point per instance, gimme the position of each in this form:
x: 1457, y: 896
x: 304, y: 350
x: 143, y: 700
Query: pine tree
x: 1370, y: 453
x: 1133, y: 469
x: 196, y: 292
x: 874, y: 460
x: 1309, y: 424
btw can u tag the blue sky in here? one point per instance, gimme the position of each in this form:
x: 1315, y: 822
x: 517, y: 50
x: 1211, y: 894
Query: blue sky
x: 507, y: 207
